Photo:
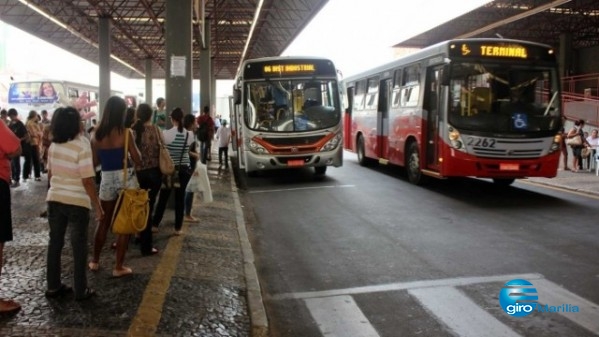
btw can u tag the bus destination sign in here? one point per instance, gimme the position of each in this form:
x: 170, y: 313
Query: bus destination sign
x: 288, y: 69
x: 485, y: 49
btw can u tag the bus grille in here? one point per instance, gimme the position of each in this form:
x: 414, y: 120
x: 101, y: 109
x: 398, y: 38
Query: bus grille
x: 293, y: 141
x: 512, y: 148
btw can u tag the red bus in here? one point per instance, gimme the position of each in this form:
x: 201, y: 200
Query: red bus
x: 488, y: 108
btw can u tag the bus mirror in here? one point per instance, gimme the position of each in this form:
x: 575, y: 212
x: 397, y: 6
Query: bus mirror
x: 445, y: 75
x: 236, y: 96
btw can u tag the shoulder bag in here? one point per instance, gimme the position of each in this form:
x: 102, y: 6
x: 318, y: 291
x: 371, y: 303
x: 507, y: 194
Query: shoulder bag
x: 172, y: 180
x: 165, y: 162
x: 132, y: 206
x: 574, y: 141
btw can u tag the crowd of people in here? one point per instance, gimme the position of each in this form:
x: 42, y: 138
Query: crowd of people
x: 584, y: 151
x: 84, y: 170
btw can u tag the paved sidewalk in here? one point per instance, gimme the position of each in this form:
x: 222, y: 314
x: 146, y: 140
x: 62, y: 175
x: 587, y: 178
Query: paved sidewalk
x: 202, y: 283
x: 583, y: 181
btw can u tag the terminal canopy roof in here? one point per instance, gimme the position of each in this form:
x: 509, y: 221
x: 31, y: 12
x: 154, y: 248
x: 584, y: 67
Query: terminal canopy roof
x: 138, y: 29
x: 540, y: 21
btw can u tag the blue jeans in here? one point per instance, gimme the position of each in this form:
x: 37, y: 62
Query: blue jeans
x: 60, y: 216
x: 15, y: 168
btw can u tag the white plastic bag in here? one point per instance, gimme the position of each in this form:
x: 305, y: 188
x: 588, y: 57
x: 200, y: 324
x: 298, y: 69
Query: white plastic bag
x: 199, y: 183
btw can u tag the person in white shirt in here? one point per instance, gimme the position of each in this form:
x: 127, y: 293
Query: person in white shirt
x: 223, y: 135
x: 593, y: 141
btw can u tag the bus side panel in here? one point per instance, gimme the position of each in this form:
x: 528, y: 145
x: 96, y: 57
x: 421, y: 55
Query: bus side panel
x: 365, y: 125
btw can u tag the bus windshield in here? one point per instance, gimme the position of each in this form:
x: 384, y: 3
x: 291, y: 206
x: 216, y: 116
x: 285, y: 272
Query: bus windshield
x: 504, y: 98
x: 292, y: 105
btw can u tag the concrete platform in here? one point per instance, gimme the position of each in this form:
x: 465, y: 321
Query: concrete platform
x: 202, y: 283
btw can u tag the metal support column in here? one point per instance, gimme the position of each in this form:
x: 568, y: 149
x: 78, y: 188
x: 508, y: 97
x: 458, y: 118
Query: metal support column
x: 104, y: 62
x: 148, y: 94
x: 565, y: 54
x: 178, y: 55
x: 206, y: 71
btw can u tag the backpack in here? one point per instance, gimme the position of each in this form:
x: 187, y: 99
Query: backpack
x: 203, y: 132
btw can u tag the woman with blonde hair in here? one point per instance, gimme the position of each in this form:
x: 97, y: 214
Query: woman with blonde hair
x: 108, y: 149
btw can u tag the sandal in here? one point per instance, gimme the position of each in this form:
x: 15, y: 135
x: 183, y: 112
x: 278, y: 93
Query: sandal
x: 93, y: 266
x: 9, y: 307
x: 122, y: 272
x: 60, y: 292
x: 87, y: 294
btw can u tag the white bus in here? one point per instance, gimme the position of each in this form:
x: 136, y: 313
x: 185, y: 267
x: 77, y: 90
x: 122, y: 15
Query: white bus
x: 286, y: 112
x: 49, y: 95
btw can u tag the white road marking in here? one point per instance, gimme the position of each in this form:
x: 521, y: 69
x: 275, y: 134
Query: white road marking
x: 450, y: 282
x: 302, y: 188
x: 460, y: 313
x: 340, y: 316
x: 554, y: 295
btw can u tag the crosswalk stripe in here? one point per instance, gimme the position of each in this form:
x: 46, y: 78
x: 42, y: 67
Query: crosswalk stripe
x: 554, y: 295
x: 460, y: 313
x: 340, y: 316
x: 455, y: 282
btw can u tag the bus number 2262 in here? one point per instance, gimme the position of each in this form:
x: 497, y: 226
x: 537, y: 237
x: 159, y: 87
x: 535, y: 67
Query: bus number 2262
x: 481, y: 142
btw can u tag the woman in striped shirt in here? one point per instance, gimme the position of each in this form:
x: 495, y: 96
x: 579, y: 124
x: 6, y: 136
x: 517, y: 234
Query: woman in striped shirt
x: 178, y: 142
x: 70, y: 197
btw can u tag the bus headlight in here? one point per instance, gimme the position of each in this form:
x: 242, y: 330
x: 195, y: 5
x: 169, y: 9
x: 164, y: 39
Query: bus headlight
x: 332, y: 143
x: 557, y: 141
x: 256, y: 148
x: 455, y: 139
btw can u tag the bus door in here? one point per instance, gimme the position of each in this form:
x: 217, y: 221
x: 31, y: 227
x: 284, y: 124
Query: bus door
x: 432, y: 103
x: 236, y: 107
x: 382, y: 145
x: 347, y: 120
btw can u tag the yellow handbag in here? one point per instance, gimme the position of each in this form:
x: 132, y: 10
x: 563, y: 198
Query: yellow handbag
x: 132, y: 206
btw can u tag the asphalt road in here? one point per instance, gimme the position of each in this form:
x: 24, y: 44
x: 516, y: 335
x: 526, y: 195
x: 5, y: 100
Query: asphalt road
x: 362, y: 252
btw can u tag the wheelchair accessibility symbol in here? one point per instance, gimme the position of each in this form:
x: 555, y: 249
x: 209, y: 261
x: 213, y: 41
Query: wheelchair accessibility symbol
x: 520, y: 121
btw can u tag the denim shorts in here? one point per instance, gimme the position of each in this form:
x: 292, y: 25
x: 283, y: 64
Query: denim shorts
x: 112, y: 183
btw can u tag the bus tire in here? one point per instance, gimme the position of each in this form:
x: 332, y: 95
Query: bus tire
x: 320, y: 170
x: 361, y: 152
x: 503, y: 181
x: 413, y: 165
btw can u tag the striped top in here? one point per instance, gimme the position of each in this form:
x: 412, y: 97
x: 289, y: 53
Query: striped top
x: 175, y: 143
x: 69, y: 163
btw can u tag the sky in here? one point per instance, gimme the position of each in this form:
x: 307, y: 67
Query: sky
x: 355, y: 34
x: 358, y: 35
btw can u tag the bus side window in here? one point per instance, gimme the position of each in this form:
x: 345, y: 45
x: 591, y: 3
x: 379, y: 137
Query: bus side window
x: 395, y: 98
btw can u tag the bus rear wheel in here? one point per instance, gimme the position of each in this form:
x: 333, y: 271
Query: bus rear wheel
x: 413, y: 165
x: 503, y: 181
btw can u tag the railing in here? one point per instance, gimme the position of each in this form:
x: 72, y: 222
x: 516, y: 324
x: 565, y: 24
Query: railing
x: 580, y: 98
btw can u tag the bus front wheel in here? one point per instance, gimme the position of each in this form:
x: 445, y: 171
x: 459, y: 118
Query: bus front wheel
x: 320, y: 170
x: 503, y: 181
x: 361, y: 151
x: 413, y: 165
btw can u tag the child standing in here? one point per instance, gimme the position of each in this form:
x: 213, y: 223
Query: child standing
x: 223, y: 134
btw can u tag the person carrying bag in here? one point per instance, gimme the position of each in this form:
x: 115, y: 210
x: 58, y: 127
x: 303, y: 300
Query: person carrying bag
x: 178, y: 142
x: 132, y: 206
x: 167, y: 166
